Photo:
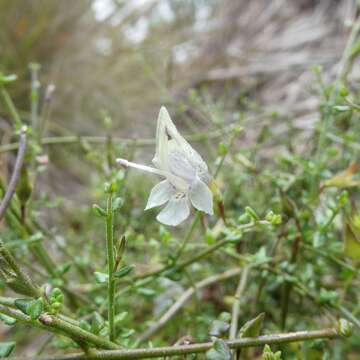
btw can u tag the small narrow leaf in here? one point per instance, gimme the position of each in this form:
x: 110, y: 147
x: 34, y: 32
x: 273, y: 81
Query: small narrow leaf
x: 101, y: 277
x: 23, y: 305
x: 218, y: 328
x: 269, y: 355
x: 146, y: 291
x: 252, y: 327
x: 7, y: 79
x: 97, y: 323
x: 124, y: 270
x: 99, y: 211
x: 117, y: 204
x: 7, y: 319
x: 252, y: 213
x: 36, y: 308
x: 6, y: 348
x: 219, y: 351
x: 85, y: 325
x: 342, y: 108
x: 120, y: 317
x: 351, y: 242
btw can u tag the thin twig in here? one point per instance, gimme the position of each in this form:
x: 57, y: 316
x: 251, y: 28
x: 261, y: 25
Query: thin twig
x: 57, y: 325
x: 73, y: 139
x: 110, y: 261
x: 236, y: 306
x: 22, y: 276
x: 329, y: 333
x: 15, y: 175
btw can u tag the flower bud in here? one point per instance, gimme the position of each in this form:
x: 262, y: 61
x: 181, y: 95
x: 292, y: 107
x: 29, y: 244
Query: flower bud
x: 251, y: 212
x: 99, y: 211
x: 344, y: 328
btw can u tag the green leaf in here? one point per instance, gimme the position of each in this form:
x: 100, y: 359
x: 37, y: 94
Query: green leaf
x: 85, y: 325
x: 219, y: 351
x: 269, y: 355
x: 342, y: 108
x: 18, y: 286
x: 120, y: 317
x: 101, y: 277
x: 252, y: 213
x: 218, y: 328
x: 146, y: 291
x: 23, y: 305
x: 125, y: 333
x: 351, y: 242
x: 222, y: 149
x: 7, y: 319
x: 260, y: 256
x: 6, y: 348
x: 63, y: 269
x: 35, y: 308
x: 117, y: 204
x: 99, y: 211
x: 97, y: 323
x: 110, y: 187
x: 328, y: 296
x: 123, y: 271
x: 7, y: 79
x: 252, y: 327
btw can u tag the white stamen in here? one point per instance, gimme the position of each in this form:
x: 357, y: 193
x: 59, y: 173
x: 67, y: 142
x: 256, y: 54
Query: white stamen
x: 149, y: 169
x: 175, y: 180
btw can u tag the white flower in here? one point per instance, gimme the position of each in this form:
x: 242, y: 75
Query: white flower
x: 185, y: 175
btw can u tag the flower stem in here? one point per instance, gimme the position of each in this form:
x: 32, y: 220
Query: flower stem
x: 188, y: 236
x: 11, y: 107
x: 237, y: 302
x: 110, y: 261
x: 15, y: 175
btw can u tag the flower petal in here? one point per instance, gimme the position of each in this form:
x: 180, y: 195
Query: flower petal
x: 160, y: 194
x: 165, y: 129
x: 160, y: 159
x: 180, y: 166
x: 201, y: 197
x: 175, y: 212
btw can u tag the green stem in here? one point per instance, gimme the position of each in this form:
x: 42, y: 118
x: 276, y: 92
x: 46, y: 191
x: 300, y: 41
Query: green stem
x: 329, y: 333
x: 75, y: 332
x: 188, y: 236
x: 236, y: 306
x: 23, y: 277
x: 15, y: 177
x: 59, y: 326
x: 34, y: 95
x: 11, y: 107
x: 110, y: 261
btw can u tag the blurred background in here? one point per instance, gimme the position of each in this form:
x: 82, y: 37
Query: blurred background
x: 205, y: 59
